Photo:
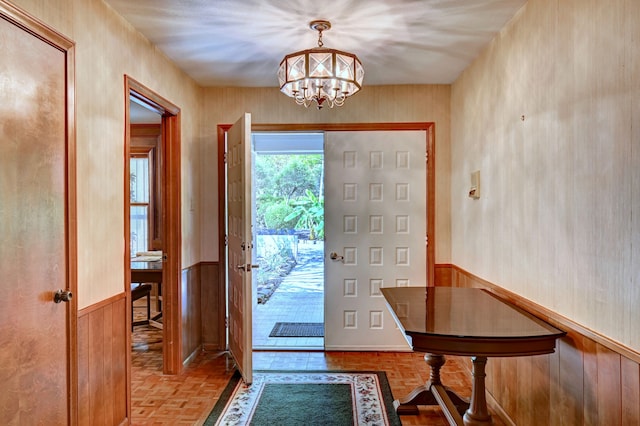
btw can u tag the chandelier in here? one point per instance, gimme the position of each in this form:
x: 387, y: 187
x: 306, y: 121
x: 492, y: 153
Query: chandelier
x: 320, y: 75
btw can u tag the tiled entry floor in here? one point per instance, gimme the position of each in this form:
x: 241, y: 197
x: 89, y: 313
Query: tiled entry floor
x: 299, y: 298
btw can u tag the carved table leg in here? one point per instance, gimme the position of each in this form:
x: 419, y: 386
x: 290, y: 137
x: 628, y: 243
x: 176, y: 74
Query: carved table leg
x: 478, y: 413
x: 423, y: 395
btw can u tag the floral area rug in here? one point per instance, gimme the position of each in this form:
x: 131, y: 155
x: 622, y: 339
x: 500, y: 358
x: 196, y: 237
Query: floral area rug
x: 327, y: 398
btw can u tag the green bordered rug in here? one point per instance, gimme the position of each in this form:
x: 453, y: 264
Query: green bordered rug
x: 310, y: 398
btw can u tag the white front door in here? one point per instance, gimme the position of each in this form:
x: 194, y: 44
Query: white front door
x: 239, y: 257
x: 375, y: 223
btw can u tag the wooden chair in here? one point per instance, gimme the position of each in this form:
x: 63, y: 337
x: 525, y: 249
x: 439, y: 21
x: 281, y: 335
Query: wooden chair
x: 139, y: 291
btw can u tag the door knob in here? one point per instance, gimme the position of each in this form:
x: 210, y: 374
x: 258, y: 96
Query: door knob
x: 62, y: 296
x: 335, y: 256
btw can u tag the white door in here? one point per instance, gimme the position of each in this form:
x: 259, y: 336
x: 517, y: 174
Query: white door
x: 375, y: 223
x: 239, y: 245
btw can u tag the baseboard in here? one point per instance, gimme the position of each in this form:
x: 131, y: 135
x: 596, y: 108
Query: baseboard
x: 211, y: 347
x: 191, y: 357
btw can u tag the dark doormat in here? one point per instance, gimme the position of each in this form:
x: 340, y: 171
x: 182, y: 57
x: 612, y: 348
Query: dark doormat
x: 298, y: 329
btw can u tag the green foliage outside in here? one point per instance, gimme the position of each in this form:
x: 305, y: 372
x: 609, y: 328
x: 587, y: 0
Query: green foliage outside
x: 288, y: 192
x: 275, y: 216
x: 309, y: 212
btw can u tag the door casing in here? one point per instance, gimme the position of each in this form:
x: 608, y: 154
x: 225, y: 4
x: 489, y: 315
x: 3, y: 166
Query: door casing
x: 171, y: 225
x: 428, y: 127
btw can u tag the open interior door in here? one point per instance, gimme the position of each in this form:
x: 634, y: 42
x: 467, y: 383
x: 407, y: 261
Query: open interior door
x: 240, y: 243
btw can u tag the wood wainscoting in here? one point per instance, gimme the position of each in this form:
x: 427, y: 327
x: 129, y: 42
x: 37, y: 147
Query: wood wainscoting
x: 103, y: 343
x: 590, y: 379
x: 102, y: 363
x: 213, y: 303
x: 191, y: 312
x: 203, y: 313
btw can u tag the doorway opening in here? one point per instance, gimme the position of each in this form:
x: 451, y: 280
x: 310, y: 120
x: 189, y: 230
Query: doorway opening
x: 288, y: 220
x: 145, y: 242
x: 234, y: 145
x: 154, y: 158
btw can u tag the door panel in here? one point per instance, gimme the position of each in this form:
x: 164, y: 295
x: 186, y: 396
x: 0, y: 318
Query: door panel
x: 34, y: 331
x: 239, y: 256
x: 375, y: 222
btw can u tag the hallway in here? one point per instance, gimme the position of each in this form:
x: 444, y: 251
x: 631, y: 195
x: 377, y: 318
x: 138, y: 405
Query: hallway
x: 187, y: 398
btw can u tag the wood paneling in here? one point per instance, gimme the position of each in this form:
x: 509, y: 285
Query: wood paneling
x: 630, y: 374
x: 588, y: 380
x: 213, y: 294
x: 203, y: 322
x: 442, y: 275
x: 567, y: 390
x: 104, y: 348
x: 191, y: 312
x: 102, y: 363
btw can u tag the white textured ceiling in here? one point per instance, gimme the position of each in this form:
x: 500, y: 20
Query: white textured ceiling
x: 241, y: 42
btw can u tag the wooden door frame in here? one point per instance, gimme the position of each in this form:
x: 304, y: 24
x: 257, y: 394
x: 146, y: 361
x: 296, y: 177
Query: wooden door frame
x: 35, y: 27
x: 171, y: 225
x: 428, y: 127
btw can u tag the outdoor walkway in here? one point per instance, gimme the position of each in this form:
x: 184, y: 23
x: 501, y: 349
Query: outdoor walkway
x: 299, y: 298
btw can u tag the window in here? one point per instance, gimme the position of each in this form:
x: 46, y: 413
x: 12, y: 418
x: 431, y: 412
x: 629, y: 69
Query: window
x: 145, y: 163
x: 140, y: 204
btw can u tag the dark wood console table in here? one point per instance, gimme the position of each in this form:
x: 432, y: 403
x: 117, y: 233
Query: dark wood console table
x: 469, y: 322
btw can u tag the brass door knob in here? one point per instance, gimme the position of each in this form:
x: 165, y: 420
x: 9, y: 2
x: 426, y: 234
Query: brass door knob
x: 335, y: 256
x: 62, y: 296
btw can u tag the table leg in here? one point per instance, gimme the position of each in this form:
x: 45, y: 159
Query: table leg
x: 478, y: 413
x: 425, y: 394
x: 156, y: 321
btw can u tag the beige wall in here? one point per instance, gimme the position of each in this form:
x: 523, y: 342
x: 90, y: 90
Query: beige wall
x: 107, y: 48
x: 559, y: 217
x: 372, y: 104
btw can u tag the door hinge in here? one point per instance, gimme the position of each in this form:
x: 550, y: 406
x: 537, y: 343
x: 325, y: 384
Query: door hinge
x: 226, y: 322
x: 224, y: 158
x: 226, y: 240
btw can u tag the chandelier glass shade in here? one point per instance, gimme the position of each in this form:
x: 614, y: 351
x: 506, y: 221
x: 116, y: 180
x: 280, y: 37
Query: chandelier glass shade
x: 321, y: 75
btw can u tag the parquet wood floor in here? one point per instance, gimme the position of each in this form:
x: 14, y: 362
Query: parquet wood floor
x: 187, y: 398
